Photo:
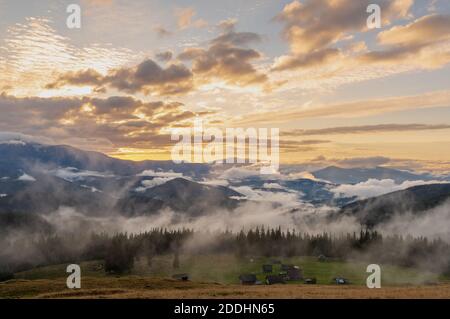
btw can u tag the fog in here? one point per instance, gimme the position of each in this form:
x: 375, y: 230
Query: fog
x: 272, y: 206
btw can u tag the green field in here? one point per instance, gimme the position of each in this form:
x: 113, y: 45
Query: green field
x: 225, y: 269
x: 216, y: 276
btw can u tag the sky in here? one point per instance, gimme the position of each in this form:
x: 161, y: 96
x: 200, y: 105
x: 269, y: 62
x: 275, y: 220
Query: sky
x: 337, y: 90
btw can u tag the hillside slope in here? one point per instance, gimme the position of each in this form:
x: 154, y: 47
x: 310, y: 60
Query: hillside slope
x: 416, y: 200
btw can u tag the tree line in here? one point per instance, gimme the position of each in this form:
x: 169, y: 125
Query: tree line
x: 119, y: 251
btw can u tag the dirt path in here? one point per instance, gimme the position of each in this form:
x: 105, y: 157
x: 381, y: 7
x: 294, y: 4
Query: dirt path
x: 134, y: 287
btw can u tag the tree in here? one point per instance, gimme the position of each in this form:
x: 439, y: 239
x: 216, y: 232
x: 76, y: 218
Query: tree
x: 120, y: 255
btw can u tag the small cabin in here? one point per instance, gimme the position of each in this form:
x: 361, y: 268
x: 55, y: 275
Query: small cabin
x: 310, y: 281
x: 294, y: 273
x: 249, y: 279
x: 267, y: 269
x: 274, y: 279
x: 286, y: 267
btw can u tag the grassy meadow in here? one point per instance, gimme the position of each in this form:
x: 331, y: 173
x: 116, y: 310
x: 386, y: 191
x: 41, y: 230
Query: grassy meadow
x: 217, y: 276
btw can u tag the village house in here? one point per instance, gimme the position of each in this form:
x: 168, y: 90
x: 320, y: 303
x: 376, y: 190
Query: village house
x: 274, y: 279
x: 267, y: 269
x: 249, y: 279
x: 294, y: 273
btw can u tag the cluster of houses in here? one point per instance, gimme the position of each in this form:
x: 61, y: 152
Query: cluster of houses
x: 286, y: 273
x: 276, y: 273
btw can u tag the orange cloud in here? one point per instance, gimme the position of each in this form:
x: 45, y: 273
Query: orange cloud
x: 313, y: 27
x: 351, y: 109
x: 425, y: 30
x: 424, y: 42
x: 227, y: 58
x: 122, y: 121
x: 185, y: 19
x: 147, y: 77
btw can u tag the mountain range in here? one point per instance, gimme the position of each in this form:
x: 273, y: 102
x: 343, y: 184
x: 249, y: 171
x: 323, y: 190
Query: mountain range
x: 37, y: 179
x: 23, y: 156
x: 357, y: 175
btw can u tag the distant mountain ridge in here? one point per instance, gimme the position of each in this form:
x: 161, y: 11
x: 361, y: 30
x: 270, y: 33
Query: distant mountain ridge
x: 48, y: 193
x: 24, y: 156
x: 179, y: 195
x: 39, y: 179
x: 31, y: 183
x: 415, y: 200
x: 340, y: 175
x: 315, y: 192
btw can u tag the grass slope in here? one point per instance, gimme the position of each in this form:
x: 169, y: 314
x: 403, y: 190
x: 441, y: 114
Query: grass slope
x: 217, y: 276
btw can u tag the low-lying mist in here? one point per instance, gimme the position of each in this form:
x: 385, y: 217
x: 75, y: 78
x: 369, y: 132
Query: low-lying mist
x: 71, y: 232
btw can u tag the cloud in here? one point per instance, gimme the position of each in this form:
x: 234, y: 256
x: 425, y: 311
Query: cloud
x: 352, y: 109
x: 303, y: 169
x: 439, y: 167
x: 147, y: 77
x: 288, y: 172
x: 98, y: 2
x: 72, y: 174
x: 26, y: 65
x: 417, y: 41
x: 150, y: 183
x: 103, y: 124
x: 227, y: 25
x: 164, y: 56
x: 237, y: 38
x: 300, y: 146
x: 216, y: 182
x: 425, y: 30
x: 26, y: 178
x: 160, y: 174
x: 330, y: 44
x: 314, y: 59
x: 227, y: 58
x: 367, y: 129
x: 162, y: 32
x: 305, y: 142
x: 313, y: 27
x: 185, y: 19
x: 432, y: 224
x: 371, y: 161
x: 252, y: 214
x: 316, y: 24
x: 272, y: 186
x: 19, y: 138
x: 88, y: 77
x: 224, y: 62
x: 239, y: 173
x: 375, y: 187
x: 301, y: 175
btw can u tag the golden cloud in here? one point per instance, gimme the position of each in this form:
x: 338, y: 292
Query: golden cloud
x: 185, y: 19
x: 362, y: 129
x: 424, y: 42
x: 147, y: 77
x: 313, y: 27
x: 352, y: 109
x: 227, y: 58
x: 123, y: 121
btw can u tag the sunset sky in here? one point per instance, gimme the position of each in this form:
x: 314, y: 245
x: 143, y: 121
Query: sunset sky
x: 339, y: 92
